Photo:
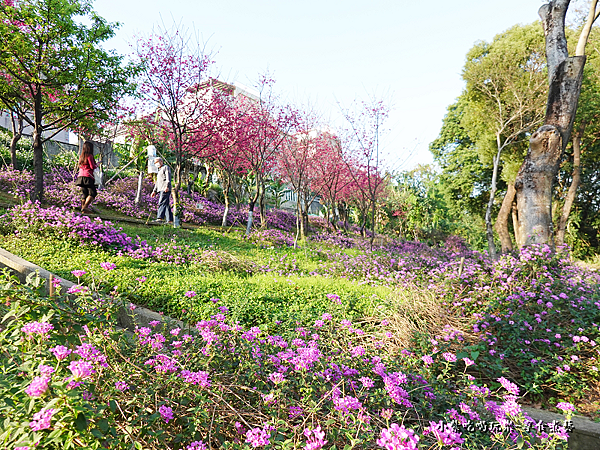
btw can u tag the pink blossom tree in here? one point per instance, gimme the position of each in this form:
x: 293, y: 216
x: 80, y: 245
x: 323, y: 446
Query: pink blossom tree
x: 228, y: 159
x: 331, y: 176
x: 181, y: 107
x: 363, y: 142
x: 296, y: 164
x: 264, y: 128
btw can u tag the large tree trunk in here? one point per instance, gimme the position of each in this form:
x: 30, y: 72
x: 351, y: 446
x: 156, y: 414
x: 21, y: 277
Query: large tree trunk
x: 575, y: 182
x: 515, y: 219
x: 536, y: 177
x: 501, y: 225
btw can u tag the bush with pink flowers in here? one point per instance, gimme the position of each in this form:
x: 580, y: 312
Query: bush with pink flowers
x: 80, y: 382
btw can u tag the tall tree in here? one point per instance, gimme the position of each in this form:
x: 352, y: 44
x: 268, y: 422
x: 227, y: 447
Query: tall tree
x: 54, y: 73
x: 535, y: 180
x: 297, y: 164
x: 584, y: 141
x: 366, y: 127
x: 264, y: 127
x: 228, y: 158
x: 505, y: 92
x: 178, y: 100
x: 331, y: 176
x: 464, y: 179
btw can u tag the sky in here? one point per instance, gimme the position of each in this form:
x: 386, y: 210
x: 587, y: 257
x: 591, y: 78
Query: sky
x: 327, y: 54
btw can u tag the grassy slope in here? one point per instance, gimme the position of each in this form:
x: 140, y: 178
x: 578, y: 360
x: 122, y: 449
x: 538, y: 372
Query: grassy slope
x: 254, y: 299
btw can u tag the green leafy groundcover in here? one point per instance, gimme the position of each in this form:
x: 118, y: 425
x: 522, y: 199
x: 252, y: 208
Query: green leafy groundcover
x: 260, y: 299
x: 69, y: 379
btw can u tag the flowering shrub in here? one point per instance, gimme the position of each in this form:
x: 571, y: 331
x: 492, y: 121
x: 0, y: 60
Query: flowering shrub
x: 219, y: 384
x: 534, y: 319
x: 543, y: 317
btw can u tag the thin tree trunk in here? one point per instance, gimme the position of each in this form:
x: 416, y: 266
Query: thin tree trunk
x: 176, y: 187
x: 299, y: 218
x: 501, y: 225
x: 251, y: 205
x: 17, y: 129
x: 250, y: 214
x: 363, y: 225
x: 334, y: 216
x: 534, y: 183
x: 38, y: 151
x: 373, y: 210
x: 261, y: 207
x: 226, y: 195
x: 489, y: 231
x: 138, y: 194
x: 307, y: 204
x: 572, y: 193
x: 343, y: 212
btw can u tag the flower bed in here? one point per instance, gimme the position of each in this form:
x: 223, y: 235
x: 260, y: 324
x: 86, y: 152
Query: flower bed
x: 534, y: 318
x: 69, y: 378
x: 60, y: 190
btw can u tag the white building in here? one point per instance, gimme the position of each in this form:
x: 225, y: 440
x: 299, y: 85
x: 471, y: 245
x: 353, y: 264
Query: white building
x: 62, y: 137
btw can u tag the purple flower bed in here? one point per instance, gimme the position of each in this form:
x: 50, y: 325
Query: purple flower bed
x: 16, y: 182
x: 31, y: 218
x: 338, y: 239
x: 60, y: 190
x: 62, y: 223
x: 263, y: 384
x: 271, y: 237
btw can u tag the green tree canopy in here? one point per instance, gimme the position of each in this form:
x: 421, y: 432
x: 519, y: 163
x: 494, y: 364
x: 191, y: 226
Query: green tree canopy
x: 54, y: 72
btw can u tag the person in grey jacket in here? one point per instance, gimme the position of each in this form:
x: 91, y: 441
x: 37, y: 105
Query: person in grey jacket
x: 163, y: 187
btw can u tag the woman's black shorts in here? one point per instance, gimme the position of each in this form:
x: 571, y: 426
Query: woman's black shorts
x: 88, y: 188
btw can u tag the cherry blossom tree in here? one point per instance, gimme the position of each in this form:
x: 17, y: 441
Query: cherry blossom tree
x: 263, y: 127
x: 181, y: 107
x: 331, y: 176
x: 296, y: 164
x: 228, y: 159
x: 363, y: 143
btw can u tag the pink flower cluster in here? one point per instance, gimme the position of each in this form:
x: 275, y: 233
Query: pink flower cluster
x: 41, y: 420
x: 259, y: 437
x: 315, y: 438
x: 444, y: 433
x: 38, y: 386
x: 39, y: 328
x: 397, y: 437
x: 166, y: 413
